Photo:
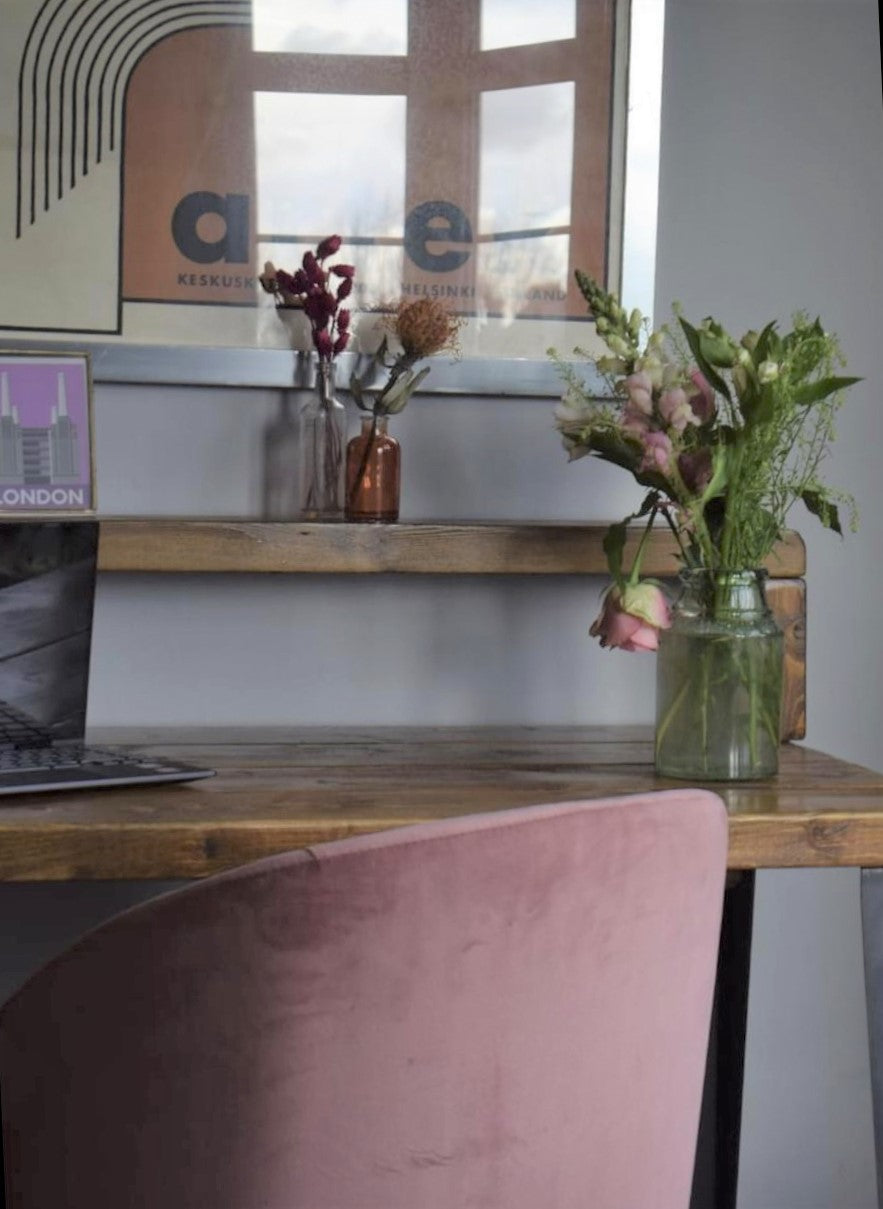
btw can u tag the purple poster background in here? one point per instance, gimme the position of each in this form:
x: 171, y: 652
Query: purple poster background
x: 45, y: 441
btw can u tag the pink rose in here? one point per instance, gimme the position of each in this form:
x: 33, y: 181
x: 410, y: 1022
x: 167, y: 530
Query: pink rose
x: 702, y: 404
x: 631, y: 618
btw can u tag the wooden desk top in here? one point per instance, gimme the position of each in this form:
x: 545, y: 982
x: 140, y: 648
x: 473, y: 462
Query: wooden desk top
x: 284, y: 788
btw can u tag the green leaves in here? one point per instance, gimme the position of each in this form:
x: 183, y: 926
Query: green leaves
x: 395, y: 394
x: 393, y: 400
x: 769, y: 345
x: 617, y: 535
x: 358, y: 393
x: 819, y: 505
x: 814, y: 392
x: 613, y: 545
x: 695, y: 343
x: 739, y: 462
x: 359, y: 386
x: 613, y: 446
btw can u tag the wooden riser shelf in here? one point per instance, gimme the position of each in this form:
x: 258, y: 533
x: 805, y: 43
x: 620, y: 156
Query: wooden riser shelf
x: 435, y: 548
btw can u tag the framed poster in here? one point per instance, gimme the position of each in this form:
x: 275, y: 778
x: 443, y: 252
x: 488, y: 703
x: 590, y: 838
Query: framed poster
x: 46, y: 452
x: 154, y: 155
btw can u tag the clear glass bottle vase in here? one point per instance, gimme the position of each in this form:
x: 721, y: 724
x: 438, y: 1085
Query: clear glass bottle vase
x: 373, y: 473
x: 719, y: 680
x: 321, y: 451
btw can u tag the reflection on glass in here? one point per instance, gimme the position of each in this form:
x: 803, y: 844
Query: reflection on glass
x: 523, y: 276
x: 330, y: 163
x: 526, y: 157
x: 521, y: 22
x: 344, y: 27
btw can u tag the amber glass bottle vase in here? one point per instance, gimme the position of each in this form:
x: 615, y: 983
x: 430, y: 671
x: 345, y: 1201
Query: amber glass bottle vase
x: 373, y: 474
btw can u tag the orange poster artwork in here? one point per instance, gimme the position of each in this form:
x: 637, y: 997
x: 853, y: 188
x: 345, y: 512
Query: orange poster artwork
x: 155, y: 154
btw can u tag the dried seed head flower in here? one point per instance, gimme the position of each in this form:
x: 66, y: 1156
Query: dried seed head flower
x: 424, y: 327
x: 421, y: 328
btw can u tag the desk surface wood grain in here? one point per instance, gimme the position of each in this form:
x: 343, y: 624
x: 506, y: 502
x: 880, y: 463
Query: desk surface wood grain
x: 278, y: 789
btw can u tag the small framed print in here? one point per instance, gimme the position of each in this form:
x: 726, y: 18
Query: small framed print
x: 46, y: 442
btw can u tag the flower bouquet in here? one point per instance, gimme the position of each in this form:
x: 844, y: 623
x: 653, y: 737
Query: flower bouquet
x: 310, y: 292
x: 726, y: 435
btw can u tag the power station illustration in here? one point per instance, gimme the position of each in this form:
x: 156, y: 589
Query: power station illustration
x: 37, y: 456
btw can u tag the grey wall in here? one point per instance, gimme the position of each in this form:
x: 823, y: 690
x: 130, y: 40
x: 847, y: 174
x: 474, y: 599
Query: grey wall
x: 770, y: 197
x: 771, y: 187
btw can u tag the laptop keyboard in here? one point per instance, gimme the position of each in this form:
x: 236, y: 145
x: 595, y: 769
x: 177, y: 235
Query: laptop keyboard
x: 70, y: 756
x: 74, y: 766
x: 19, y: 730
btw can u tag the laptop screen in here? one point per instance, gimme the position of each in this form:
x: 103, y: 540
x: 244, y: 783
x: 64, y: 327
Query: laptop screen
x: 47, y: 592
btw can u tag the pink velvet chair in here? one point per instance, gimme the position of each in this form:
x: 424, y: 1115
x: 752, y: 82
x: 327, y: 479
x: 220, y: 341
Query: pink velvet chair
x: 508, y: 1011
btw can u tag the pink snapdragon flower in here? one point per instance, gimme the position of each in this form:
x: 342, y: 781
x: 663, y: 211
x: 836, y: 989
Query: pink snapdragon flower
x: 696, y: 469
x: 702, y: 403
x: 634, y: 420
x: 639, y: 388
x: 675, y: 409
x: 631, y: 617
x: 657, y: 451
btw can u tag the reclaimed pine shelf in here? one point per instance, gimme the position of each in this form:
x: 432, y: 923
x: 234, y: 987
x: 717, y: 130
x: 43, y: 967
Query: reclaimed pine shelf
x: 423, y: 548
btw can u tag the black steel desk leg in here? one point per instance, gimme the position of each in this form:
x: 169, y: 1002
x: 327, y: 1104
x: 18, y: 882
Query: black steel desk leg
x: 717, y: 1156
x: 872, y: 941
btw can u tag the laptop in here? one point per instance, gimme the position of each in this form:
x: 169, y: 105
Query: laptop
x: 47, y: 593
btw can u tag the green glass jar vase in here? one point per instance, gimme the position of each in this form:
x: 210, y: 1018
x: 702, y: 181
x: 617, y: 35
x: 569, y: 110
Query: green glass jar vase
x: 719, y: 680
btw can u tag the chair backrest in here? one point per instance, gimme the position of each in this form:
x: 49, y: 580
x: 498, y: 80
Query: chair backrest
x: 509, y: 1010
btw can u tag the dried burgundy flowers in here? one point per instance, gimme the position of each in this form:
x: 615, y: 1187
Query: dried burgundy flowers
x: 311, y: 289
